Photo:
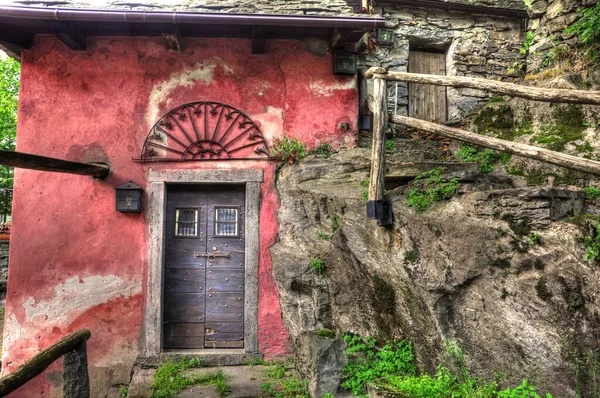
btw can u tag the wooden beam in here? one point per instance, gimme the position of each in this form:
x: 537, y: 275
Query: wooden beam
x: 72, y: 36
x: 16, y: 41
x: 172, y: 37
x: 41, y: 361
x: 258, y: 43
x: 380, y: 122
x: 528, y: 151
x: 515, y: 90
x: 43, y: 163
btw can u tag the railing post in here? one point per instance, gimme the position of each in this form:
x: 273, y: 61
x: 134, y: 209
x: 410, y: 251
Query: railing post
x: 377, y: 208
x: 75, y: 374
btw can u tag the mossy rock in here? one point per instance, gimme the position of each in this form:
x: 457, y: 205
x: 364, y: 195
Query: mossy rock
x: 494, y: 118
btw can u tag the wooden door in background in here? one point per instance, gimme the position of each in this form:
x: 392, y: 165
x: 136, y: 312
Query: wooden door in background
x: 425, y: 101
x: 204, y: 271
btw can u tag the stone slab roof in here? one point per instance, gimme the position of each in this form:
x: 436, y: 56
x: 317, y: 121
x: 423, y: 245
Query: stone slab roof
x: 299, y: 7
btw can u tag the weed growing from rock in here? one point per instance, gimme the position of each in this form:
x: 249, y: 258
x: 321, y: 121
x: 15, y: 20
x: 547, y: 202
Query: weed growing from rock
x: 169, y: 378
x: 587, y: 27
x: 323, y: 236
x: 592, y: 193
x: 430, y: 187
x: 335, y: 223
x: 485, y: 158
x: 317, y: 265
x: 277, y: 371
x: 392, y: 368
x: 330, y: 334
x: 592, y: 244
x: 289, y: 149
x: 324, y: 150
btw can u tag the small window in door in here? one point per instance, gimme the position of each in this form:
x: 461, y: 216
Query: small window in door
x: 186, y: 222
x: 226, y: 221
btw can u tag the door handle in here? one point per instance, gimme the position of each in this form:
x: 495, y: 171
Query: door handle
x: 211, y: 256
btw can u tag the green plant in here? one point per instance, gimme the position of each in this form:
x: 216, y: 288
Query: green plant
x: 485, y: 158
x: 452, y: 381
x: 330, y: 334
x: 277, y: 371
x: 257, y: 362
x: 587, y: 26
x: 169, y: 378
x: 267, y: 388
x: 323, y: 236
x: 495, y: 100
x: 390, y: 145
x: 328, y: 395
x: 534, y: 239
x: 123, y: 391
x: 431, y: 187
x: 294, y: 388
x: 324, y: 150
x: 527, y: 43
x: 367, y: 362
x: 364, y: 194
x: 289, y: 149
x: 592, y: 192
x: 592, y: 244
x: 528, y: 3
x: 317, y: 265
x: 335, y: 223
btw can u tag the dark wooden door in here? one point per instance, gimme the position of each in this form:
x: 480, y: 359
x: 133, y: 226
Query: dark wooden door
x: 204, y: 271
x: 426, y: 101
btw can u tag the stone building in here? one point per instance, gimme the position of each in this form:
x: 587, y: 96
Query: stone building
x: 133, y: 90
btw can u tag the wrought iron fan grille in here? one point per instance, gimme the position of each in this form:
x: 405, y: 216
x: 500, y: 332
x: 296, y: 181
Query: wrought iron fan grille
x: 204, y: 131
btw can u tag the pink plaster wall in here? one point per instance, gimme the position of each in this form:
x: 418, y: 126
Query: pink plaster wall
x: 74, y: 261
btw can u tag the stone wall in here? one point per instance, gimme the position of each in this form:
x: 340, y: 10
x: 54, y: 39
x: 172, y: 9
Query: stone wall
x: 549, y: 20
x: 476, y: 46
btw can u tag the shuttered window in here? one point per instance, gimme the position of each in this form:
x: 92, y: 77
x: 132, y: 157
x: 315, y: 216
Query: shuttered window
x: 226, y: 221
x: 186, y: 222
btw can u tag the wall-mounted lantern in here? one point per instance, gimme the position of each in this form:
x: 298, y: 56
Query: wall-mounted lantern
x: 129, y: 198
x: 385, y: 36
x: 380, y: 210
x: 366, y: 122
x: 344, y: 63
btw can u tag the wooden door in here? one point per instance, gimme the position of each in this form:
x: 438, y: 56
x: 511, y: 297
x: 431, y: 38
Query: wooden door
x: 204, y: 267
x: 426, y: 101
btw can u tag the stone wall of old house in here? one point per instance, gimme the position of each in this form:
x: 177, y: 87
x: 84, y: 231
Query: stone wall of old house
x: 475, y: 46
x: 549, y: 22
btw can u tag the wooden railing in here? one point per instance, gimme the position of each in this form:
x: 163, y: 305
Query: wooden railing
x: 381, y: 120
x: 75, y: 374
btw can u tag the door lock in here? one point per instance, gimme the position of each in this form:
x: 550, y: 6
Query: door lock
x: 211, y: 256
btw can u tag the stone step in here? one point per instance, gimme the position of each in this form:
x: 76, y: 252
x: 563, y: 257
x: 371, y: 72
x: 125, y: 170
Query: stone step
x: 402, y: 173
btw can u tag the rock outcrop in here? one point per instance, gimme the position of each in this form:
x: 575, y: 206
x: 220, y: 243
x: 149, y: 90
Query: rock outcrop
x: 525, y: 304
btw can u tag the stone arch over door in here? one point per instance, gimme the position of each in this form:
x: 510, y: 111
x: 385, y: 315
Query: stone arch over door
x: 156, y: 188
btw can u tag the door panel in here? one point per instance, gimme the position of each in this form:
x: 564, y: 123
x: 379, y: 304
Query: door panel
x: 204, y: 267
x: 184, y: 307
x: 425, y: 101
x: 182, y: 280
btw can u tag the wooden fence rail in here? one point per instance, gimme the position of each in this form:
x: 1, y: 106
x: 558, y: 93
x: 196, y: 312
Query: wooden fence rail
x: 515, y: 90
x: 75, y: 374
x: 381, y: 119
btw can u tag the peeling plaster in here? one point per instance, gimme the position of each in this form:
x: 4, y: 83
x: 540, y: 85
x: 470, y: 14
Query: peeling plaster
x: 203, y: 72
x: 271, y: 122
x: 323, y: 89
x: 74, y: 296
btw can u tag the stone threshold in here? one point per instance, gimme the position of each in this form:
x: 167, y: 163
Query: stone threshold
x: 213, y: 357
